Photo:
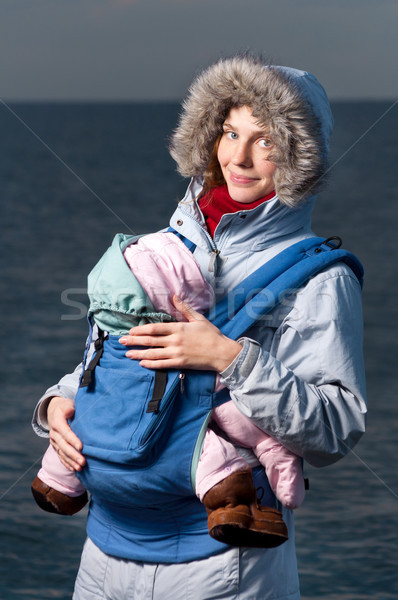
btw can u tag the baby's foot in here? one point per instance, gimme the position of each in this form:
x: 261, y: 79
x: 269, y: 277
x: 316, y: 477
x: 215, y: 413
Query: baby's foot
x: 53, y: 501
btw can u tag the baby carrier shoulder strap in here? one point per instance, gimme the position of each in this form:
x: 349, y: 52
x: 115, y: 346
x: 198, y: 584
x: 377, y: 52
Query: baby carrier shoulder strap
x: 278, y: 278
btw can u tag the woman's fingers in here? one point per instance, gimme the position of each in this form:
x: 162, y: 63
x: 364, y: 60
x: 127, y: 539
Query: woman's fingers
x: 143, y: 340
x: 159, y: 358
x: 154, y: 329
x: 67, y: 454
x: 64, y: 441
x: 149, y: 353
x: 153, y: 334
x: 195, y: 344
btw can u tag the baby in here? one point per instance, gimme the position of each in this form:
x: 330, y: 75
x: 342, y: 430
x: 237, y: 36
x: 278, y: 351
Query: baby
x: 163, y: 266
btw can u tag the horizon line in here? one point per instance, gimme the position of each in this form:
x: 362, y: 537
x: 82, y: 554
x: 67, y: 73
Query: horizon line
x: 353, y: 99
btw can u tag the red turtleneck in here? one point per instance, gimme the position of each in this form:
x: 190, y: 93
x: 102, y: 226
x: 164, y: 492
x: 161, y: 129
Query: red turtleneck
x: 217, y: 202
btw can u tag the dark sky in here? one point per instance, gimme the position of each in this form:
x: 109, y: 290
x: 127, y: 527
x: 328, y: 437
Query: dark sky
x: 150, y: 49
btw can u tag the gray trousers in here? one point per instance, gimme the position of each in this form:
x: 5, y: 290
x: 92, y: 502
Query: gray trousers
x: 237, y: 574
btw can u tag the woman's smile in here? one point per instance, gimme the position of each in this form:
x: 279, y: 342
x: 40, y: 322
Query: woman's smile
x: 241, y: 179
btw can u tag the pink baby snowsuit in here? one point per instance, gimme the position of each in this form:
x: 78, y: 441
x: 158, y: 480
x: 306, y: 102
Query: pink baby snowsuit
x: 164, y: 266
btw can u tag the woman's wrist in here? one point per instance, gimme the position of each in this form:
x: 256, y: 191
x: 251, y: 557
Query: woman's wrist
x: 227, y: 352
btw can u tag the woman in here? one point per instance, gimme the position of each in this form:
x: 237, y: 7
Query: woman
x: 255, y: 140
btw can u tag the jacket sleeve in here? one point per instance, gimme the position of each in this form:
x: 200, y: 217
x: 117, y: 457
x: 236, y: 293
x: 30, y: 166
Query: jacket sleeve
x: 307, y: 390
x: 66, y: 387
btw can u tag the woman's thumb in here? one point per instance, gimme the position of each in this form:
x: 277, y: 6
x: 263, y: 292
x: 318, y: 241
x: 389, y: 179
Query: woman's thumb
x: 187, y: 311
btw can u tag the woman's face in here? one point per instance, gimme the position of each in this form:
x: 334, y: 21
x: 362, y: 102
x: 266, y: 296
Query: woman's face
x: 242, y: 153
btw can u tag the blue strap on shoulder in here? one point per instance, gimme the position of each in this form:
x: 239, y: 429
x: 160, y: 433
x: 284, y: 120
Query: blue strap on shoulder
x: 277, y: 279
x: 264, y: 289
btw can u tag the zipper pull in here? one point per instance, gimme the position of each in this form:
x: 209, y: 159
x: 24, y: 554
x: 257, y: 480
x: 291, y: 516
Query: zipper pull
x: 213, y: 256
x: 182, y: 377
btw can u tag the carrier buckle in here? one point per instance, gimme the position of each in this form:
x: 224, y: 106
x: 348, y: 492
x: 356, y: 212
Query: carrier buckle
x: 329, y: 242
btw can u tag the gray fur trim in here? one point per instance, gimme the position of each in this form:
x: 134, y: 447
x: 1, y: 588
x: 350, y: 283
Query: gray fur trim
x: 276, y: 101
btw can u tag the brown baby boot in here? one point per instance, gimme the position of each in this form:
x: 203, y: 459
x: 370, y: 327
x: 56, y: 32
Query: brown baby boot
x: 53, y: 501
x: 236, y: 518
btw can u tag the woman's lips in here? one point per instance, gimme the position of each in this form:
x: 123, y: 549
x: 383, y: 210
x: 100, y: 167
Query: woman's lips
x: 241, y: 179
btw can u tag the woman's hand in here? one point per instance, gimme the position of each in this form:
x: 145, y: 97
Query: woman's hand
x: 66, y: 444
x: 195, y: 344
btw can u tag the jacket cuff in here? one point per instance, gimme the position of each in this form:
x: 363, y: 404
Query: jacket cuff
x: 39, y: 419
x: 241, y: 367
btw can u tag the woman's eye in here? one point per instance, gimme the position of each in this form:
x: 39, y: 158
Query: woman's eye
x: 266, y: 143
x: 232, y: 135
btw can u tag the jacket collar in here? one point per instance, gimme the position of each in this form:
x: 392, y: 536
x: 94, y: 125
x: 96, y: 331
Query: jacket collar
x: 256, y: 228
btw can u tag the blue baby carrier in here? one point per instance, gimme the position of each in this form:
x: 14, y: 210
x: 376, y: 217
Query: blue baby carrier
x: 143, y: 430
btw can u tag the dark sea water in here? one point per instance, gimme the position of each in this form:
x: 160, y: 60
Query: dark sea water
x: 71, y: 176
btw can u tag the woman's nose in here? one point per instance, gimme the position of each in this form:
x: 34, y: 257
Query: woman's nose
x: 242, y: 155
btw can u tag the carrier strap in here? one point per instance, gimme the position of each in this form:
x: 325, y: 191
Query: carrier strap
x: 158, y: 391
x: 99, y: 349
x: 277, y: 279
x: 274, y: 281
x: 190, y: 245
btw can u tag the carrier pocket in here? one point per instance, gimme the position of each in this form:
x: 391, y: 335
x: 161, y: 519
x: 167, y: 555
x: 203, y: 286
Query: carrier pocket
x: 111, y: 414
x: 162, y: 411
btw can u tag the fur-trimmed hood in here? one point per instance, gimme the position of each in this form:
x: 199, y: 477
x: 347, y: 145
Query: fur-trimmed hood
x: 291, y: 103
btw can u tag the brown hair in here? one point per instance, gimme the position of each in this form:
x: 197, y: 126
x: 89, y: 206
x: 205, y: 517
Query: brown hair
x: 212, y: 176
